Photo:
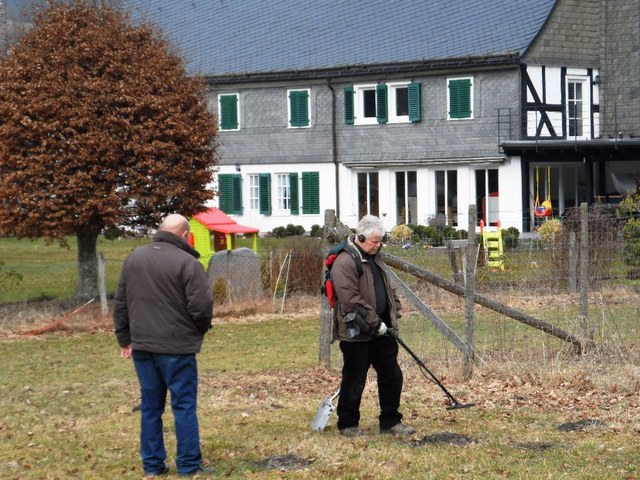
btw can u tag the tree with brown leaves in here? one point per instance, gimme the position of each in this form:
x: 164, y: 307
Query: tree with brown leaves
x: 100, y: 129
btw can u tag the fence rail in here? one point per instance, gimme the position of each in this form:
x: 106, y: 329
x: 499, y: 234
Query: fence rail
x: 542, y: 279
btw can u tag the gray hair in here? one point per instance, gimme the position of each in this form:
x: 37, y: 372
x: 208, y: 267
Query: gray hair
x: 370, y: 225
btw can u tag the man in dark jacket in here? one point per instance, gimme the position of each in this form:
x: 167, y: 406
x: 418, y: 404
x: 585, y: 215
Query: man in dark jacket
x: 162, y: 309
x: 367, y: 307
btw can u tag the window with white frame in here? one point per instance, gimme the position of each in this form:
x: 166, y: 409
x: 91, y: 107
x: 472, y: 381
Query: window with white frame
x: 254, y: 192
x: 369, y: 104
x: 447, y: 196
x: 406, y: 197
x: 365, y: 102
x: 284, y: 192
x: 398, y: 102
x: 577, y: 108
x: 228, y: 111
x: 368, y: 194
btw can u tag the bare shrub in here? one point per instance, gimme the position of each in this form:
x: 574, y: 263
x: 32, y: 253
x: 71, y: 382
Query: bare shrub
x: 295, y: 266
x: 220, y: 291
x: 603, y: 232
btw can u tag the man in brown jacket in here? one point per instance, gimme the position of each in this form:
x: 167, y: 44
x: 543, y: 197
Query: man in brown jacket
x: 162, y: 310
x: 367, y: 307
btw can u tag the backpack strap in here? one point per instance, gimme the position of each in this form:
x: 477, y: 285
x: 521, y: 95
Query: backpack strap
x: 356, y: 258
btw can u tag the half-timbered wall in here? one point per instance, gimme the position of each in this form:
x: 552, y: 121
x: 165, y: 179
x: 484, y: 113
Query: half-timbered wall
x: 560, y: 102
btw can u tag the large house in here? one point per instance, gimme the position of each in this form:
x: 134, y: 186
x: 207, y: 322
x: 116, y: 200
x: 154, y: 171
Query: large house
x: 414, y: 109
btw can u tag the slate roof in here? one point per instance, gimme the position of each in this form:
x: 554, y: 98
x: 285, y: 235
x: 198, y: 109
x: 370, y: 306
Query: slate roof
x: 231, y: 37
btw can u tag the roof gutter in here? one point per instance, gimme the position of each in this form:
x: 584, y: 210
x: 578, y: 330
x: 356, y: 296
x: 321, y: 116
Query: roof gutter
x: 504, y: 60
x: 424, y: 162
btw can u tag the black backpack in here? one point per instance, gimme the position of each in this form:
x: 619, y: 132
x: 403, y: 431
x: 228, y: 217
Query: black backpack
x: 327, y: 288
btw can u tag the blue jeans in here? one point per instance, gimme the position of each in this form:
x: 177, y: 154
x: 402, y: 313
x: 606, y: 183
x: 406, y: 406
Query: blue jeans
x: 179, y: 374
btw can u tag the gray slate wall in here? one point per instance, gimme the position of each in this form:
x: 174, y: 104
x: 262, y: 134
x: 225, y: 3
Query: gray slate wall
x: 571, y: 37
x: 265, y: 139
x: 620, y: 73
x: 4, y: 40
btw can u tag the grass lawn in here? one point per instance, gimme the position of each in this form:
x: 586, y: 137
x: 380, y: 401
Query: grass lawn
x: 68, y: 401
x: 52, y: 270
x: 68, y: 405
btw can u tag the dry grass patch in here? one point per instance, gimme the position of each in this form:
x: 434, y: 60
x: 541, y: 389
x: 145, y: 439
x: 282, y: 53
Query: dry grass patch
x: 69, y: 407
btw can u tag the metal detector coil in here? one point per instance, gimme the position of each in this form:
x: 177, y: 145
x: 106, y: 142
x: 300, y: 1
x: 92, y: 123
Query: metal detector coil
x: 324, y: 412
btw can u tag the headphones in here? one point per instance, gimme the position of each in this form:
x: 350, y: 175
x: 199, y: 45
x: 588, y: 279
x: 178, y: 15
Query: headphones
x: 361, y: 238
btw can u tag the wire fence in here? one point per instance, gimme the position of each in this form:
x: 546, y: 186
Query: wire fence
x: 540, y: 278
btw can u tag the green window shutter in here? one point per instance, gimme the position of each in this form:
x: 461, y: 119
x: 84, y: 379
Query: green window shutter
x: 236, y: 197
x: 294, y: 202
x: 230, y: 193
x: 264, y: 186
x: 311, y: 192
x: 460, y: 98
x: 228, y: 112
x: 224, y: 192
x: 299, y: 108
x: 414, y: 102
x: 381, y: 103
x: 349, y: 115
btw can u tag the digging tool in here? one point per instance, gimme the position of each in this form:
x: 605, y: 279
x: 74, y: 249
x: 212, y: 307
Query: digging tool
x: 324, y: 412
x: 453, y: 403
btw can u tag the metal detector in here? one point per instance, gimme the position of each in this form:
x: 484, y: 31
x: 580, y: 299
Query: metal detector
x: 453, y: 403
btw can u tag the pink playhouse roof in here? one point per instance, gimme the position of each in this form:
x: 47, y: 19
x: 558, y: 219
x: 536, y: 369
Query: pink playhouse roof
x: 218, y: 221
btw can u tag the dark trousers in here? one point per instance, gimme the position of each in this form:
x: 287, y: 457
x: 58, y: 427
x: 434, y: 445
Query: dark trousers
x: 158, y: 373
x: 382, y: 354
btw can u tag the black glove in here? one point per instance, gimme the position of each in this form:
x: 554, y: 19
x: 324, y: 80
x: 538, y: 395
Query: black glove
x: 355, y: 324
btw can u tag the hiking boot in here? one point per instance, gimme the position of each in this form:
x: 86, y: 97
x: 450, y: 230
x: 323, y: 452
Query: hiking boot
x: 351, y: 432
x: 398, y: 429
x: 201, y: 471
x: 161, y: 473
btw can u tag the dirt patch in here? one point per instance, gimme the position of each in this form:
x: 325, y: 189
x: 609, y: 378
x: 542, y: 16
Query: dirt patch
x: 535, y: 446
x: 283, y: 463
x: 448, y: 438
x: 586, y: 424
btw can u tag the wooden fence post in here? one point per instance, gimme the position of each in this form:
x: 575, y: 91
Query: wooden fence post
x: 334, y: 232
x: 102, y: 284
x: 573, y: 262
x: 469, y: 291
x: 584, y: 270
x: 324, y: 355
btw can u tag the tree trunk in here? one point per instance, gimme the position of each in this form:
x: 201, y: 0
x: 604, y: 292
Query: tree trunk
x: 87, y: 264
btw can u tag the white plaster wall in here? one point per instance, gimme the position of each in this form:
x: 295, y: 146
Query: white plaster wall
x: 266, y: 223
x: 510, y: 208
x: 510, y: 188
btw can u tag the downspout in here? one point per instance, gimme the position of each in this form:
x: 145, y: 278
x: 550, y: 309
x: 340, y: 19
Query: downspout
x: 334, y: 146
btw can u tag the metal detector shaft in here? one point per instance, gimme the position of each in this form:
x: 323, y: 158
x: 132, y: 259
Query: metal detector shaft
x: 455, y: 404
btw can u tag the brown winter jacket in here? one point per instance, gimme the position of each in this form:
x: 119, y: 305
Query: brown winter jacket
x: 357, y: 293
x: 163, y: 303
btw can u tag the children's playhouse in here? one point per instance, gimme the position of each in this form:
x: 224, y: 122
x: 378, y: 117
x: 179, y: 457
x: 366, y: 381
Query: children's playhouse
x: 213, y: 231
